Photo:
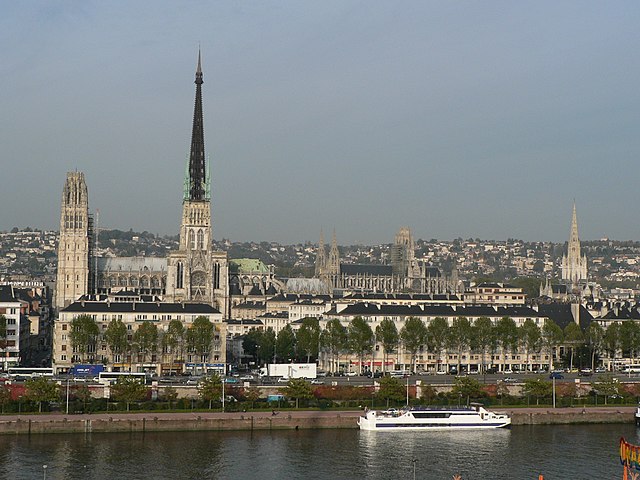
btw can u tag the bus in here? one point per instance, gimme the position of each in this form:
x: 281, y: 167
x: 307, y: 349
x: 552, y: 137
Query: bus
x: 109, y: 378
x: 633, y: 368
x: 24, y: 373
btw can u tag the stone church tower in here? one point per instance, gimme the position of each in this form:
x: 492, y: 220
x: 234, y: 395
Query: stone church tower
x: 74, y: 246
x: 195, y: 273
x: 574, y: 265
x: 321, y: 259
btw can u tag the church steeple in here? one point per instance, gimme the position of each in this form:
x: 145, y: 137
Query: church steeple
x: 320, y: 257
x: 197, y: 183
x: 574, y: 264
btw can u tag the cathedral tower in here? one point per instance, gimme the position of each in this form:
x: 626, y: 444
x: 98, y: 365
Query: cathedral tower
x: 321, y: 258
x: 574, y: 265
x: 195, y: 272
x: 74, y: 245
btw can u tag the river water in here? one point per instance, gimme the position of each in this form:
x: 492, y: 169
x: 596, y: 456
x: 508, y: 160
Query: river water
x: 522, y: 452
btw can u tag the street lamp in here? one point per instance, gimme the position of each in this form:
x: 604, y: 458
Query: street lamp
x: 414, y: 461
x: 44, y: 472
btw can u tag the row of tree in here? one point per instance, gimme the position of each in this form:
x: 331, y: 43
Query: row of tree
x: 482, y: 336
x: 146, y: 341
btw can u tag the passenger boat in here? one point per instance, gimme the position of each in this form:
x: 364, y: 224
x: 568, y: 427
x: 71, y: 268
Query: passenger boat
x: 434, y: 418
x: 638, y: 416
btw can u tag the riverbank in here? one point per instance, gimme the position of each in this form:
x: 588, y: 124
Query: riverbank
x: 284, y: 420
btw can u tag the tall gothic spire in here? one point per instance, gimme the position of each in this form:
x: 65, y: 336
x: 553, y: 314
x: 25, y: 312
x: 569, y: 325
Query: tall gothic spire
x: 574, y: 264
x: 320, y: 257
x: 196, y: 185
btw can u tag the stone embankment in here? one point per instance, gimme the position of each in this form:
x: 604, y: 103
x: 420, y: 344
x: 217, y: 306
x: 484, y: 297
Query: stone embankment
x: 284, y: 420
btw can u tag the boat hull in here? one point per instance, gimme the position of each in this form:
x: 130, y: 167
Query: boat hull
x: 426, y: 420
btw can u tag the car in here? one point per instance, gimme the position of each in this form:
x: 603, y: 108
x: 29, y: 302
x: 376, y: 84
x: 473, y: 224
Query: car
x: 556, y: 376
x: 194, y: 380
x: 391, y: 411
x: 601, y: 370
x: 283, y: 380
x: 510, y: 380
x: 441, y: 372
x: 507, y: 371
x: 247, y: 378
x: 351, y: 374
x: 377, y: 374
x: 317, y: 381
x: 321, y: 373
x: 585, y: 372
x: 230, y: 380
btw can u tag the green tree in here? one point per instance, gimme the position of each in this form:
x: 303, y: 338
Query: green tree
x: 39, y: 389
x: 286, y: 344
x: 507, y: 335
x: 266, y: 346
x: 460, y: 337
x: 210, y: 389
x: 360, y: 338
x: 308, y: 338
x: 537, y: 387
x: 552, y: 336
x: 250, y: 342
x: 612, y: 340
x: 607, y: 386
x: 173, y: 341
x: 595, y: 339
x: 531, y: 339
x: 573, y: 337
x: 387, y: 334
x: 298, y: 388
x: 145, y: 339
x: 483, y: 337
x: 200, y: 337
x: 334, y: 340
x: 83, y: 393
x: 170, y: 395
x: 413, y: 335
x: 116, y: 337
x: 5, y: 396
x: 630, y: 338
x: 391, y: 389
x: 84, y: 335
x: 252, y: 394
x: 128, y: 390
x: 438, y: 333
x: 467, y: 387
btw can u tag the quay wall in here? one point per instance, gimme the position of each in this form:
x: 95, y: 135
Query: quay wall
x: 150, y: 422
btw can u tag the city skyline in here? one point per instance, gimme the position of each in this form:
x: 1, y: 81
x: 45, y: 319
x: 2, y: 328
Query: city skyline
x: 476, y: 121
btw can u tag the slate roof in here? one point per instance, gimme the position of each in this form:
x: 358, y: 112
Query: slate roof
x: 561, y: 314
x: 132, y: 264
x: 141, y: 307
x: 366, y: 269
x: 7, y: 294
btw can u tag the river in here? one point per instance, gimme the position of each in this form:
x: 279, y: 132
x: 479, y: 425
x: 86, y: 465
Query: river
x: 522, y: 452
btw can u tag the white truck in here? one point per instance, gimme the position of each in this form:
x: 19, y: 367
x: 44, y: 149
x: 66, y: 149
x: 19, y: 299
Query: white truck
x: 290, y: 370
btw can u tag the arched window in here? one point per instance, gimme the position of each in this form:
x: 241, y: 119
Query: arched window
x: 192, y: 241
x: 200, y: 240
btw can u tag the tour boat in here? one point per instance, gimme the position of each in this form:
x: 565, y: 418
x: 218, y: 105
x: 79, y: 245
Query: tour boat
x: 638, y: 415
x: 434, y: 418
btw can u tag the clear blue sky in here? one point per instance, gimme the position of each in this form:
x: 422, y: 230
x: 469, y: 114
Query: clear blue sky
x: 471, y: 119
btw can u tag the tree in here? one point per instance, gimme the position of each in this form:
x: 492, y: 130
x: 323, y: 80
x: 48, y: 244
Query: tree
x: 612, y: 340
x: 145, y: 339
x: 413, y: 335
x: 467, y: 387
x: 595, y: 339
x: 199, y: 337
x: 128, y: 390
x: 39, y: 389
x: 387, y: 335
x: 5, y: 396
x: 573, y: 337
x: 460, y: 337
x: 530, y: 337
x: 170, y: 394
x: 483, y: 336
x: 83, y: 393
x: 334, y: 339
x: 250, y: 343
x: 173, y: 341
x: 84, y: 335
x: 360, y: 338
x: 538, y: 388
x: 607, y: 386
x: 630, y: 338
x: 286, y: 344
x: 298, y: 388
x: 552, y: 336
x: 438, y: 333
x: 308, y: 338
x: 507, y: 335
x: 252, y: 394
x: 391, y: 389
x: 267, y: 346
x: 116, y: 336
x: 210, y: 389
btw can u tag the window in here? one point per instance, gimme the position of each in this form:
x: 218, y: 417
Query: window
x: 64, y: 326
x: 63, y: 357
x: 63, y: 348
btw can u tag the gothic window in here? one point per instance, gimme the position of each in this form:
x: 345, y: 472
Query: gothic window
x: 200, y: 240
x: 192, y: 241
x: 144, y: 282
x: 179, y: 275
x: 216, y: 275
x: 154, y: 282
x: 198, y: 285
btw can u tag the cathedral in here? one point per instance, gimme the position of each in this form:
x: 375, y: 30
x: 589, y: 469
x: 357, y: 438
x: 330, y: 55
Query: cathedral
x: 194, y: 273
x: 406, y: 273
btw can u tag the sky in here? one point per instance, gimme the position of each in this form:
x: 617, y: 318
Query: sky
x: 457, y: 119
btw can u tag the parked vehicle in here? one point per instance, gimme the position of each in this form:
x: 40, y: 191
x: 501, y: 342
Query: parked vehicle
x: 556, y: 375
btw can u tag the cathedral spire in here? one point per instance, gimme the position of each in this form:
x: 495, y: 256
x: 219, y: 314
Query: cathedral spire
x: 197, y: 180
x: 574, y: 264
x: 320, y: 257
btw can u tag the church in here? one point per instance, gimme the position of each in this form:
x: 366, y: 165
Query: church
x: 194, y: 273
